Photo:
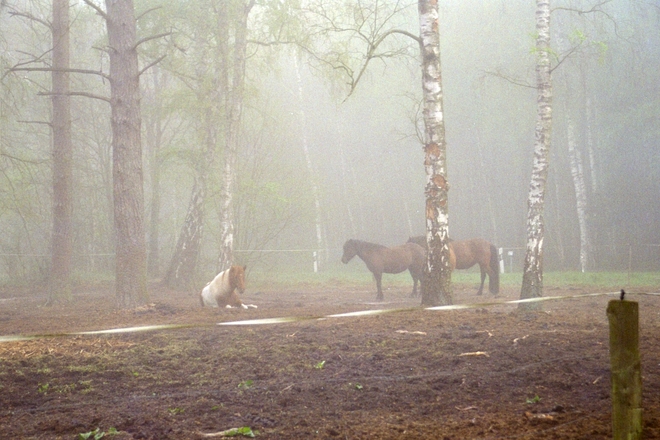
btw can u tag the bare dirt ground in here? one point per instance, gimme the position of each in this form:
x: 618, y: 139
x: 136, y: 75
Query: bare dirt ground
x: 482, y: 373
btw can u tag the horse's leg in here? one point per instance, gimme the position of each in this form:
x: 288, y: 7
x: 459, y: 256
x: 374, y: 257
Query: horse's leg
x: 483, y: 278
x: 415, y: 280
x: 379, y: 276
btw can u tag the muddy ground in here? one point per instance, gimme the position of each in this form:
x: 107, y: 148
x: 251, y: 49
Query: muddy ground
x: 482, y: 373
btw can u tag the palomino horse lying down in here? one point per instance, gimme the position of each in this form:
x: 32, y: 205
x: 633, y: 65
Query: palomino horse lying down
x: 221, y: 292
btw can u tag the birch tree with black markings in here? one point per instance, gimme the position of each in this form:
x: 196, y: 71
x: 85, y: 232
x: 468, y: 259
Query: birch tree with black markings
x: 436, y: 282
x: 532, y: 284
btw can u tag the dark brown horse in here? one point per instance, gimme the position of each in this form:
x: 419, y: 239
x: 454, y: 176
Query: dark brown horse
x: 381, y: 259
x: 471, y: 252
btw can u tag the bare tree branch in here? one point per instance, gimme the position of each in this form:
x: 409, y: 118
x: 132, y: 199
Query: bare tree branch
x: 19, y: 159
x: 147, y: 12
x: 514, y: 81
x: 371, y: 54
x: 23, y: 121
x: 152, y: 37
x: 31, y: 17
x: 151, y: 64
x: 51, y: 69
x: 98, y: 10
x: 84, y: 94
x: 596, y: 9
x: 565, y: 57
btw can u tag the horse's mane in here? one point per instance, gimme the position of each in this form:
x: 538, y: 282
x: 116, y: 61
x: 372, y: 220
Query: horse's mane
x: 368, y: 245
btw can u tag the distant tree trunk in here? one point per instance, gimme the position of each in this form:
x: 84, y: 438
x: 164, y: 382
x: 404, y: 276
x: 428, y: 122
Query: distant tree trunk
x: 344, y: 187
x: 559, y: 220
x: 234, y: 111
x: 181, y: 272
x: 62, y: 248
x: 131, y: 255
x: 436, y: 281
x: 580, y: 197
x: 489, y: 201
x: 310, y: 168
x: 154, y: 132
x: 532, y: 284
x: 593, y: 172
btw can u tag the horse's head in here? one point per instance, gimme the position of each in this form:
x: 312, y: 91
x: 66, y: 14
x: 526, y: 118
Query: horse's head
x: 350, y: 250
x: 237, y: 277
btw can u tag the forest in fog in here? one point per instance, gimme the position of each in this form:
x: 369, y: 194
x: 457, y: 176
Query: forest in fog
x: 327, y: 150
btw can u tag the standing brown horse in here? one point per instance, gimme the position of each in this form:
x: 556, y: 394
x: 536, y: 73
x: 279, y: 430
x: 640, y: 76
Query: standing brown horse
x: 471, y: 252
x: 381, y: 259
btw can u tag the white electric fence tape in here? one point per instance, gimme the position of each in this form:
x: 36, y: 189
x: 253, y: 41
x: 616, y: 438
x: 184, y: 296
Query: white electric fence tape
x: 147, y: 328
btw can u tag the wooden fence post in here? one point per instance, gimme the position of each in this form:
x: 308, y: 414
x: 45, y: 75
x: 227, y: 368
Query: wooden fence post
x: 626, y: 370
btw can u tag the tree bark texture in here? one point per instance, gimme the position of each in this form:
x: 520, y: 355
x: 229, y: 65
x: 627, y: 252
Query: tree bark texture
x: 130, y: 246
x: 62, y: 247
x: 234, y: 104
x: 532, y: 284
x: 181, y: 272
x: 436, y: 281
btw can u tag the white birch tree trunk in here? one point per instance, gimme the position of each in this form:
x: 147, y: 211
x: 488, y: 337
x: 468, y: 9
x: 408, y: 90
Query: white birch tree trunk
x: 310, y: 167
x: 234, y: 112
x: 577, y: 174
x: 436, y: 281
x: 532, y: 284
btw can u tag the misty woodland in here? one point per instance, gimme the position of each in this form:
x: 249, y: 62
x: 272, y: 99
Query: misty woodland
x: 169, y: 140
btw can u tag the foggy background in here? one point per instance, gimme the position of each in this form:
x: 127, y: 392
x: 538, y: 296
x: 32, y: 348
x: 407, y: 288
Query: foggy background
x: 304, y: 140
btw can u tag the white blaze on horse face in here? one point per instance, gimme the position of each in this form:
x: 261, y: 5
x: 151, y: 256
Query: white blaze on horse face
x: 240, y: 280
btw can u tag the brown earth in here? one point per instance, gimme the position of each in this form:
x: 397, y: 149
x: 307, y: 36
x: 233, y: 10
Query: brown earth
x: 483, y: 373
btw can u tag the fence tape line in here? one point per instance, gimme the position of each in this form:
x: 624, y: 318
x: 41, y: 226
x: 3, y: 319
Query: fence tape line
x: 267, y: 321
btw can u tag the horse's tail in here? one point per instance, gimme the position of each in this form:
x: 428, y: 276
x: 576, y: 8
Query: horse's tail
x: 494, y: 280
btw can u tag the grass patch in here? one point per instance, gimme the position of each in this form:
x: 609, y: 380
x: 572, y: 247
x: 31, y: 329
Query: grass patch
x: 359, y: 277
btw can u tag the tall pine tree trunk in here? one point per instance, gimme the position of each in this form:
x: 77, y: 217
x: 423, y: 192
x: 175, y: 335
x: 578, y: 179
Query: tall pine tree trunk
x: 532, y: 284
x: 436, y: 281
x: 130, y: 246
x: 62, y: 247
